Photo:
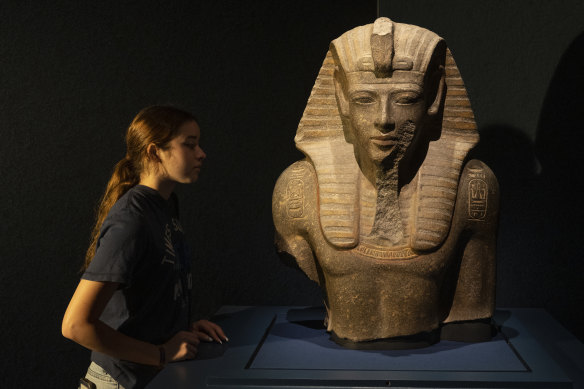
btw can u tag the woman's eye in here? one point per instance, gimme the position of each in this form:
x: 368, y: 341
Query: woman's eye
x: 190, y: 145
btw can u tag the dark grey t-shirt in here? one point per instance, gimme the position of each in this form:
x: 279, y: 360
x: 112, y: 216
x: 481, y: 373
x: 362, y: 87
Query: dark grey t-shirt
x: 142, y: 247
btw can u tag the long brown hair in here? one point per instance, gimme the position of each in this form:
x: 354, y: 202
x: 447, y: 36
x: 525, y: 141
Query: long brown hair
x: 155, y: 124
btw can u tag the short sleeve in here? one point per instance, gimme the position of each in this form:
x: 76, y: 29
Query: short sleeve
x: 119, y: 248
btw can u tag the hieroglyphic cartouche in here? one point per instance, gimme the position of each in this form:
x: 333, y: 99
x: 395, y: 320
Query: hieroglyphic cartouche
x: 477, y: 195
x: 295, y: 194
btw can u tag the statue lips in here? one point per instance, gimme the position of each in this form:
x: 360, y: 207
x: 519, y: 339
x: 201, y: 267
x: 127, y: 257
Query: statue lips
x: 384, y: 141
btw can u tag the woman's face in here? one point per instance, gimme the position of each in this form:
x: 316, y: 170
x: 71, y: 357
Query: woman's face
x: 183, y: 158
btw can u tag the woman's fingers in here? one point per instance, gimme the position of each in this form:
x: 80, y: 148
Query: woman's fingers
x: 191, y: 351
x: 203, y: 336
x: 211, y: 330
x: 190, y: 337
x: 220, y: 332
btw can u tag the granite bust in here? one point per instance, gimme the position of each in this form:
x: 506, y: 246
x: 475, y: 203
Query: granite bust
x: 386, y: 213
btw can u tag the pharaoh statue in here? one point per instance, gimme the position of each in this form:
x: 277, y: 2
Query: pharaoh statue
x: 386, y: 213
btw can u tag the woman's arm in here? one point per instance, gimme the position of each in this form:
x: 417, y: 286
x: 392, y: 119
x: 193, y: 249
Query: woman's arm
x: 81, y: 324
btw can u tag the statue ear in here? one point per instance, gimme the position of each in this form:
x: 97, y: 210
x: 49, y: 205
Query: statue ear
x: 342, y: 101
x: 436, y: 88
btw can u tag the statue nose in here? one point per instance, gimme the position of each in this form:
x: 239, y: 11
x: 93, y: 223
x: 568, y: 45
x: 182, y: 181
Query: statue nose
x: 385, y: 121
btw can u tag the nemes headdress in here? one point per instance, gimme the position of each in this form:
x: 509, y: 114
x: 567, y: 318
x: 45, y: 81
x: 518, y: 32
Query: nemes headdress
x: 386, y: 49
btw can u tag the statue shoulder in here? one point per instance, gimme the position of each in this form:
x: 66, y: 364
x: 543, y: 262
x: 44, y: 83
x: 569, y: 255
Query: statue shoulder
x: 294, y: 195
x: 476, y: 218
x: 294, y: 212
x: 478, y: 196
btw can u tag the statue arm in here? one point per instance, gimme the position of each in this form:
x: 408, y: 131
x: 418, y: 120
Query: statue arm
x: 293, y: 211
x: 478, y: 205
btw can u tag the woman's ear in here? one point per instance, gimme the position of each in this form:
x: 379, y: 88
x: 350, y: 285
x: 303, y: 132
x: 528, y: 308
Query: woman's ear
x: 436, y: 85
x: 152, y: 153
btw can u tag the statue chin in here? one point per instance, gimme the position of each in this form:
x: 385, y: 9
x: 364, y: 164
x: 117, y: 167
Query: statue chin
x: 397, y: 228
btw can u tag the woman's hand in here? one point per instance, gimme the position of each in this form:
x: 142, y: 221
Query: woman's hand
x: 208, y: 331
x: 184, y: 344
x: 181, y: 346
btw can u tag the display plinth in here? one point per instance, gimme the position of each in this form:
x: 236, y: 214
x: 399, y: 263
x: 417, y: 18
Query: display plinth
x: 287, y: 347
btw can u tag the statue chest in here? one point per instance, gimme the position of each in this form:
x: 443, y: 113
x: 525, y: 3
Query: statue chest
x: 374, y: 292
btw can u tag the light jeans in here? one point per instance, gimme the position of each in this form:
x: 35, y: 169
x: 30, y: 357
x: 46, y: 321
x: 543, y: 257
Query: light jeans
x: 101, y: 378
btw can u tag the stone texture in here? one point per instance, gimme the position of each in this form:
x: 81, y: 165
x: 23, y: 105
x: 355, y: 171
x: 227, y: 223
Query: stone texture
x: 384, y: 212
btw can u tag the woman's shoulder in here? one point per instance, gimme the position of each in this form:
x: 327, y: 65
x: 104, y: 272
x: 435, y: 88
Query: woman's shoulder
x: 137, y: 204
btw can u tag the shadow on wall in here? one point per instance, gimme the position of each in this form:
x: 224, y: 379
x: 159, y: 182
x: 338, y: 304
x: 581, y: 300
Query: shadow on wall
x: 540, y: 245
x: 558, y: 146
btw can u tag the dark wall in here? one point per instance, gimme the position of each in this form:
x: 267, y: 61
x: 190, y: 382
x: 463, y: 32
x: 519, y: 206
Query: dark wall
x: 73, y: 75
x: 522, y: 62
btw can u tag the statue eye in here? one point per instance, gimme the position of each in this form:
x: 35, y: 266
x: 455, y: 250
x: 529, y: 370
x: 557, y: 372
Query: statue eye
x: 363, y: 99
x: 407, y: 98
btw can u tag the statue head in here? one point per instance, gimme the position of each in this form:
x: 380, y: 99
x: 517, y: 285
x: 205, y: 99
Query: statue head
x: 389, y: 96
x: 389, y: 86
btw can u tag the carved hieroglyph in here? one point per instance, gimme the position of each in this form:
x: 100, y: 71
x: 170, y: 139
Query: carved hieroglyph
x: 383, y: 212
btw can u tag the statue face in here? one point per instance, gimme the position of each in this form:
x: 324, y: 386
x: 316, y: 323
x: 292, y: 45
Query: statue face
x: 384, y: 113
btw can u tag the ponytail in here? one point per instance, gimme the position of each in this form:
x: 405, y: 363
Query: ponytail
x: 122, y: 180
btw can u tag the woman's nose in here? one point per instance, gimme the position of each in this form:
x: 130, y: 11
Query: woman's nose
x: 202, y: 154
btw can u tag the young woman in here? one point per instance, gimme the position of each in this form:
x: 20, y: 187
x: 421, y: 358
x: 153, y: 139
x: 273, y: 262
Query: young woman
x: 132, y: 305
